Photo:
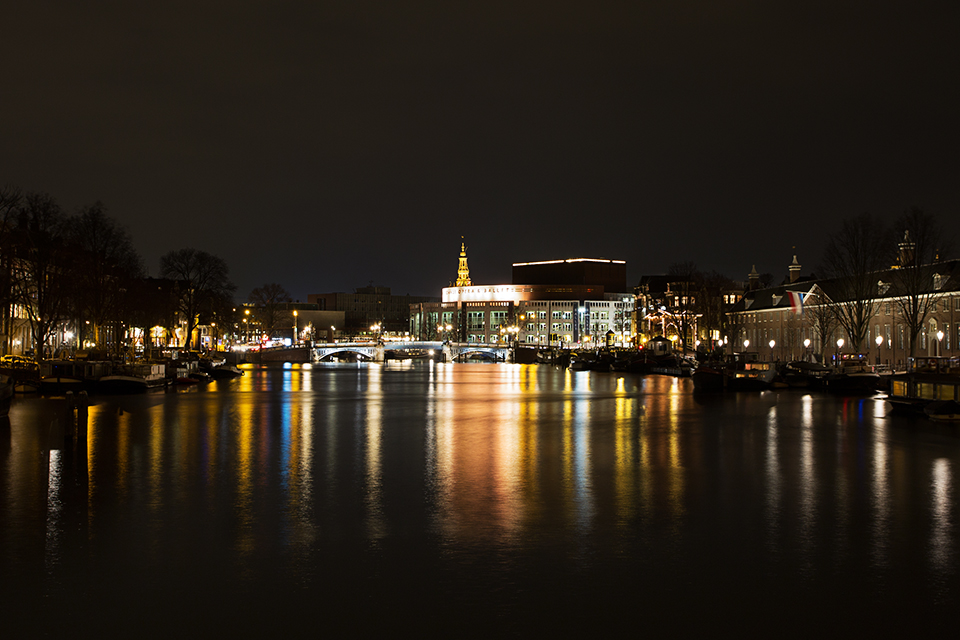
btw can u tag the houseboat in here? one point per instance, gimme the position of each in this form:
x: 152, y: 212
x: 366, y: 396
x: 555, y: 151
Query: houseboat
x: 927, y: 382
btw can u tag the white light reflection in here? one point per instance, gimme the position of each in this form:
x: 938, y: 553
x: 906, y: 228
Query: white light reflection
x: 583, y: 495
x: 941, y: 542
x: 54, y: 510
x: 773, y: 480
x: 881, y: 496
x: 808, y: 489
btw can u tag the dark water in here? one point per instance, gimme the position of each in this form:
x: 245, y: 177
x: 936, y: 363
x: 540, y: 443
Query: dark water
x: 477, y: 500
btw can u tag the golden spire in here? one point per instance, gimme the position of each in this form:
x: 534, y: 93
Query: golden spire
x: 463, y: 271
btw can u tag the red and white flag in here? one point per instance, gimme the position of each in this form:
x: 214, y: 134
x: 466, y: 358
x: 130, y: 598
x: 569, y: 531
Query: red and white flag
x: 796, y: 301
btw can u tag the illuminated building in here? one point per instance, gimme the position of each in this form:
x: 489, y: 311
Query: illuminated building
x: 543, y: 309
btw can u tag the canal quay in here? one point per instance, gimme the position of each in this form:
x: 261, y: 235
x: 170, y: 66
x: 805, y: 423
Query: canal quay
x: 475, y: 500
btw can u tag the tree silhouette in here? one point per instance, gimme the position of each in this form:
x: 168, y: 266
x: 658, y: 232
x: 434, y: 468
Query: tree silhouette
x: 268, y: 299
x: 106, y: 265
x: 203, y: 284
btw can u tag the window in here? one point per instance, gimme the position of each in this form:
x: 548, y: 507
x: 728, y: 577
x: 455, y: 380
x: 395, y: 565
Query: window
x: 475, y: 321
x: 899, y: 336
x: 946, y: 335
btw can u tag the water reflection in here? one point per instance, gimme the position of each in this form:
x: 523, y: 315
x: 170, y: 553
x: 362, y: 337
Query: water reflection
x: 286, y: 472
x: 941, y: 540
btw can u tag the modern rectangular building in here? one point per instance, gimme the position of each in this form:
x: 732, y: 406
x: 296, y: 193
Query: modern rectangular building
x: 543, y: 309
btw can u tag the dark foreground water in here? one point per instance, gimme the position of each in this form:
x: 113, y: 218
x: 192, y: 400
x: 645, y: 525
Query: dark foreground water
x: 477, y: 500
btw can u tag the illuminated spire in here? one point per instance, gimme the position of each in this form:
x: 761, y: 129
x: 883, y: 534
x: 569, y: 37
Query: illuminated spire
x: 463, y: 271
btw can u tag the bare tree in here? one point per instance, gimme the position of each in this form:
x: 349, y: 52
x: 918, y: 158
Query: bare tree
x: 42, y: 258
x: 682, y: 281
x: 106, y: 263
x: 853, y: 259
x: 916, y: 284
x: 204, y: 283
x: 710, y: 303
x: 10, y: 199
x: 268, y: 299
x: 821, y: 315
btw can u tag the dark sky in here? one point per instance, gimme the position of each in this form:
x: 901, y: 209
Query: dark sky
x: 325, y: 145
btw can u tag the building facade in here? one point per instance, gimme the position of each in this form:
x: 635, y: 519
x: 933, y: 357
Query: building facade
x: 533, y: 313
x: 797, y: 320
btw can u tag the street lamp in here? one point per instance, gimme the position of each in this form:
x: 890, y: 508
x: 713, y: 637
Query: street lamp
x: 772, y: 344
x: 296, y: 329
x: 839, y: 348
x: 746, y: 344
x: 939, y: 341
x: 879, y: 342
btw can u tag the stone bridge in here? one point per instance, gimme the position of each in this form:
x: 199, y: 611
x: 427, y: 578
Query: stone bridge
x: 451, y: 351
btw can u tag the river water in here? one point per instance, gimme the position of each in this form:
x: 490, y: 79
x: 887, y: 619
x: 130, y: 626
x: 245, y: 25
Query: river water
x: 476, y: 500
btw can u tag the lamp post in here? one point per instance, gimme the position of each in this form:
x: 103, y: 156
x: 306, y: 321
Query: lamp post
x: 839, y: 347
x: 939, y: 341
x: 806, y: 349
x: 746, y: 345
x: 296, y: 328
x: 879, y: 342
x: 773, y: 343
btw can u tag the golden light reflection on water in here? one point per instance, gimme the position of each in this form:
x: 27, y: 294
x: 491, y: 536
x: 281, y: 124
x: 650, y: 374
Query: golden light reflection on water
x: 625, y: 464
x: 376, y: 525
x: 506, y: 450
x: 246, y: 443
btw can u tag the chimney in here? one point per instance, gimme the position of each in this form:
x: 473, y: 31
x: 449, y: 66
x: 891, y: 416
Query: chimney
x: 794, y: 269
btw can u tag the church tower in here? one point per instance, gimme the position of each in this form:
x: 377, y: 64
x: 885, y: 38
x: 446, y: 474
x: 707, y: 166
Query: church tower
x: 463, y: 271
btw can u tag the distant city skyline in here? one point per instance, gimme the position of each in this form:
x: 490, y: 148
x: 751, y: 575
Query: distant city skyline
x: 326, y: 147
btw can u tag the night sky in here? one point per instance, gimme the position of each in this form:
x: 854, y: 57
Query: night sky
x: 327, y: 145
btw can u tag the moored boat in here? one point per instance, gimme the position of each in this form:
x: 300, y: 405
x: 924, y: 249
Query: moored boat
x: 60, y: 376
x: 224, y: 371
x: 852, y: 376
x: 943, y: 411
x: 928, y: 380
x: 740, y: 372
x: 132, y: 378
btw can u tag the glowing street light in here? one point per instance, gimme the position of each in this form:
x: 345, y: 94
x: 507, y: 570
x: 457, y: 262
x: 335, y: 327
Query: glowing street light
x: 939, y: 341
x: 879, y: 342
x: 746, y: 344
x: 296, y: 329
